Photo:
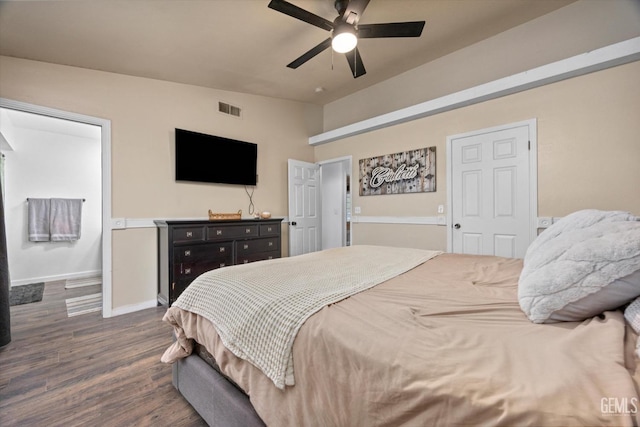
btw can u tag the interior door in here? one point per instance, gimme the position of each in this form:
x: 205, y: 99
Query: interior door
x: 304, y: 208
x: 490, y: 199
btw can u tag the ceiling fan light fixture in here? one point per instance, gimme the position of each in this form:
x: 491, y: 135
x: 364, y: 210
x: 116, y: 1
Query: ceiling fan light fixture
x: 344, y: 38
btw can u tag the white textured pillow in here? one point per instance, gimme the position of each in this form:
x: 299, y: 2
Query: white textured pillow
x: 632, y: 314
x: 586, y: 263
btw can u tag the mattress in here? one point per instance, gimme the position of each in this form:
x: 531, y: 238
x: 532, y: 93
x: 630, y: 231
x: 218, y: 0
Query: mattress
x: 442, y: 344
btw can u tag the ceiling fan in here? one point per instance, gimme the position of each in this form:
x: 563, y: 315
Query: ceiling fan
x: 345, y: 30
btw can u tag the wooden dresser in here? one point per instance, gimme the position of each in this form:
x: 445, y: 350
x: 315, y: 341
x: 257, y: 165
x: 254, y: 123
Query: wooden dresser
x: 187, y: 249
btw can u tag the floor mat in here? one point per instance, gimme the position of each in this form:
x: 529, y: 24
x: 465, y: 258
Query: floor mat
x: 84, y: 281
x: 84, y: 304
x: 25, y: 294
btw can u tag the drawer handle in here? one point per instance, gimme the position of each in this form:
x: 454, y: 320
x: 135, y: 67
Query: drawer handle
x: 222, y: 264
x: 187, y: 253
x: 222, y: 249
x: 187, y: 271
x: 270, y: 243
x: 189, y: 233
x: 248, y: 230
x: 218, y: 232
x: 268, y: 228
x: 246, y: 246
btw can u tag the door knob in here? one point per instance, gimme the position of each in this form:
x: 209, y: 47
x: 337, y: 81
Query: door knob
x: 294, y: 223
x: 456, y: 226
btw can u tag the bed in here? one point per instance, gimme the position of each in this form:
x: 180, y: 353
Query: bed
x: 443, y: 342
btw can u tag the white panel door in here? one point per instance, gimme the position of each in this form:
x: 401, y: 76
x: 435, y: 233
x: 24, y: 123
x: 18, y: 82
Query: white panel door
x: 304, y: 208
x: 490, y: 199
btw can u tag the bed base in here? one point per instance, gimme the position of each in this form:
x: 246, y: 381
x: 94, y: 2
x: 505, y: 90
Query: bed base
x: 219, y: 403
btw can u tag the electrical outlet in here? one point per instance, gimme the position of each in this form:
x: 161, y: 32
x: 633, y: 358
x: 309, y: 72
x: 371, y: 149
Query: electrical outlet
x: 440, y: 209
x: 357, y: 210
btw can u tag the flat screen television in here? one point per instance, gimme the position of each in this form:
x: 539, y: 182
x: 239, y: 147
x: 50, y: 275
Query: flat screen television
x: 207, y: 158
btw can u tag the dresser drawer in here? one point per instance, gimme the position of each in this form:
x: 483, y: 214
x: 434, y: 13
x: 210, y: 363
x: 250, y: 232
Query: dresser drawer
x: 177, y: 288
x: 269, y: 230
x: 185, y: 270
x: 202, y: 253
x: 260, y: 256
x: 188, y: 234
x: 245, y: 247
x: 222, y: 232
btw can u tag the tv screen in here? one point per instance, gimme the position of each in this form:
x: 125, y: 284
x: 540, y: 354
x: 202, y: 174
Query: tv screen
x: 207, y: 158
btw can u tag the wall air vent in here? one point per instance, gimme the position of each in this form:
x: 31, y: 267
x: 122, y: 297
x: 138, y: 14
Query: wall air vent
x: 232, y: 110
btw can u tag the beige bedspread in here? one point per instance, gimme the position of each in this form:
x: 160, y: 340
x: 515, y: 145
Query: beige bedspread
x: 443, y: 344
x: 258, y: 308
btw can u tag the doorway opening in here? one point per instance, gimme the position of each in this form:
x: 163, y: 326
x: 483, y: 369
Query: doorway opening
x: 319, y: 205
x: 335, y: 178
x: 97, y: 204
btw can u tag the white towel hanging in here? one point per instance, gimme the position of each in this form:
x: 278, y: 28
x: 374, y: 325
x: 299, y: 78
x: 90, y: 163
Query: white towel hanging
x: 39, y: 220
x: 65, y: 219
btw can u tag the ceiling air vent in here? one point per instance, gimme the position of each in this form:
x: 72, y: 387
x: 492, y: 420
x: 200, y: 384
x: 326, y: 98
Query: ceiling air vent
x: 232, y: 110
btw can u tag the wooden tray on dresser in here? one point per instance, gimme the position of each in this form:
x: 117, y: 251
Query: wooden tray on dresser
x: 217, y: 216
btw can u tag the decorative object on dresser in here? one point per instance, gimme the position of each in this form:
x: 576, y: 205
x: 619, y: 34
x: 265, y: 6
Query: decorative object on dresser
x: 214, y: 216
x: 187, y: 249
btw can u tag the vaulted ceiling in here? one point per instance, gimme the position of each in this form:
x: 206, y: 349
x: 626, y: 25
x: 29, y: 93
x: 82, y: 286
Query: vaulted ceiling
x: 242, y: 45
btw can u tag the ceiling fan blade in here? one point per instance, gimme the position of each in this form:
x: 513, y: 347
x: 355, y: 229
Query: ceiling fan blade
x: 354, y: 11
x: 392, y: 29
x: 355, y: 63
x: 301, y: 14
x: 310, y: 54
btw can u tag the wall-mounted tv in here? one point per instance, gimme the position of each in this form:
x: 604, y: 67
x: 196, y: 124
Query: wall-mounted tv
x: 207, y: 158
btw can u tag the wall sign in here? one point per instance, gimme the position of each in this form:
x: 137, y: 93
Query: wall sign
x: 407, y: 172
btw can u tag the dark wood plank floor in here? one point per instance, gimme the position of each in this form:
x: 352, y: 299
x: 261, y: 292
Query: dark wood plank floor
x: 86, y: 370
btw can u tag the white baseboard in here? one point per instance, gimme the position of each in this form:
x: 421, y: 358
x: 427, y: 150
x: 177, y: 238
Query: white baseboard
x: 134, y: 307
x: 54, y: 278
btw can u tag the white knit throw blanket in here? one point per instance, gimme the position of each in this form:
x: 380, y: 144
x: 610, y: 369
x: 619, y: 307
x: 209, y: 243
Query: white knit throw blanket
x: 257, y: 309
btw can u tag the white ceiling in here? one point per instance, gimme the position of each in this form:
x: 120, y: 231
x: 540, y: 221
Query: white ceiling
x: 243, y: 46
x: 11, y: 119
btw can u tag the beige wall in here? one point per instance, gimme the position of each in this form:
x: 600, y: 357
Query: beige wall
x: 587, y: 133
x: 143, y: 115
x: 588, y: 152
x: 574, y: 29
